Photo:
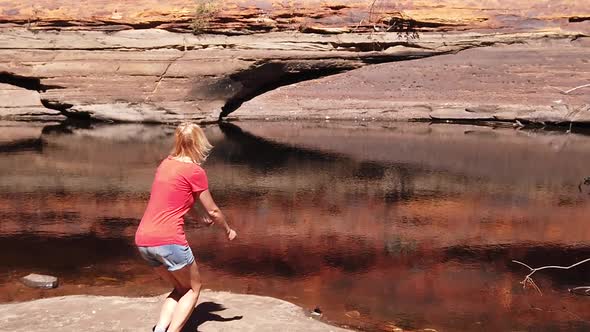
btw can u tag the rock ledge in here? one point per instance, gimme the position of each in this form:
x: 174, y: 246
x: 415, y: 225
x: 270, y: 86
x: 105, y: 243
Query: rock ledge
x: 217, y: 311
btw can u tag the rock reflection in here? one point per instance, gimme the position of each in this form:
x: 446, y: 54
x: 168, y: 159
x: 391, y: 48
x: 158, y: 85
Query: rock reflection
x: 416, y: 225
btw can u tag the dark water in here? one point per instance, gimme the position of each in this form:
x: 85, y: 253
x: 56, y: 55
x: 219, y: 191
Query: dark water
x: 409, y: 225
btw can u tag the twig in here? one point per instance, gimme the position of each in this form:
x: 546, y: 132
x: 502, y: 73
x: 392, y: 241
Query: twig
x: 370, y: 13
x: 371, y: 9
x: 529, y: 281
x: 576, y: 88
x: 401, y: 24
x: 564, y: 309
x: 585, y: 289
x: 572, y: 89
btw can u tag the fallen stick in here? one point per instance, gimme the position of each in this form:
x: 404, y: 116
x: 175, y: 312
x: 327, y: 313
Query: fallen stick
x: 529, y: 281
x: 576, y: 88
x: 572, y: 89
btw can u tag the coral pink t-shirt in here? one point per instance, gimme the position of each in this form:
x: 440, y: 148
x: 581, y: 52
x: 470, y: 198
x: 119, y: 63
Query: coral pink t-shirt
x: 170, y: 199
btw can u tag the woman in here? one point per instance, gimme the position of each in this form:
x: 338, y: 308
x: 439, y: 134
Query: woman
x: 179, y: 183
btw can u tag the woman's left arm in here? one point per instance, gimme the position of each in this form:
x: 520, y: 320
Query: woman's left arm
x: 198, y: 212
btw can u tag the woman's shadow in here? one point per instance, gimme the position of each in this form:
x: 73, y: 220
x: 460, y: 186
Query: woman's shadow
x: 205, y: 312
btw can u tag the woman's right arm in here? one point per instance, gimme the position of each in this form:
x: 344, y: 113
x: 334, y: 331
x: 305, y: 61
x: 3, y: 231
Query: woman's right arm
x: 215, y: 213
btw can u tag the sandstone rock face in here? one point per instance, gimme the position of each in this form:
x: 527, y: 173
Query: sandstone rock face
x: 523, y: 82
x: 139, y: 62
x: 21, y: 104
x: 159, y: 76
x: 248, y: 16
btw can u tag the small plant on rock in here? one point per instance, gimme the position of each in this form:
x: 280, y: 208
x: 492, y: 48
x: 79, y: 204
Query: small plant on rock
x: 390, y: 21
x: 204, y: 11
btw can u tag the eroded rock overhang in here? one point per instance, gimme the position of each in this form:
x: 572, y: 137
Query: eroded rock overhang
x: 153, y: 75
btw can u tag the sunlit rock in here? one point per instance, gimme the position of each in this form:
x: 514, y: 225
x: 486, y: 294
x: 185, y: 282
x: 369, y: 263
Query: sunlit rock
x: 40, y: 281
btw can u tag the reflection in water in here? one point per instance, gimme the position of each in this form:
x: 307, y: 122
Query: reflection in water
x: 411, y: 224
x: 240, y: 147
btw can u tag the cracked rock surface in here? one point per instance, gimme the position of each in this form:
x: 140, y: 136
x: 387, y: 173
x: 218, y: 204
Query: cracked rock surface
x: 158, y: 76
x: 526, y: 82
x: 216, y: 311
x: 139, y: 61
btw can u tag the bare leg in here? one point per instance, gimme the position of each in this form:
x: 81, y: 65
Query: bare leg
x: 187, y: 277
x: 171, y: 301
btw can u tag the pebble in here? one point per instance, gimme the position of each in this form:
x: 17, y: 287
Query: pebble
x: 40, y: 281
x: 316, y: 312
x: 353, y: 314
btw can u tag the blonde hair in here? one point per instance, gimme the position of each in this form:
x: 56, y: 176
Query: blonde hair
x: 190, y: 141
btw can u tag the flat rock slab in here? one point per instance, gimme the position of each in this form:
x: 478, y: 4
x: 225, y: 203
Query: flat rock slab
x: 217, y: 311
x: 521, y: 81
x: 39, y: 281
x: 158, y: 76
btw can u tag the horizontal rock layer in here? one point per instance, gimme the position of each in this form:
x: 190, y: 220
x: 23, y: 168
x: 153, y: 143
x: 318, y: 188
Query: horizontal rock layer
x: 159, y: 76
x: 541, y: 82
x: 247, y: 16
x: 102, y: 60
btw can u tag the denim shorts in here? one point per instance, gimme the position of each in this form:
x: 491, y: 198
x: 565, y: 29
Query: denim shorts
x: 172, y: 256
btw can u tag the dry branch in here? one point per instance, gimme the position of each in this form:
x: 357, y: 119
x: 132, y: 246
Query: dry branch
x: 528, y: 280
x: 565, y: 92
x: 576, y: 88
x: 396, y: 22
x: 581, y: 289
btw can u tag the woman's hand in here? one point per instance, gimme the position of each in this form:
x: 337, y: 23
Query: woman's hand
x: 215, y: 214
x: 206, y: 220
x: 231, y: 234
x: 199, y: 213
